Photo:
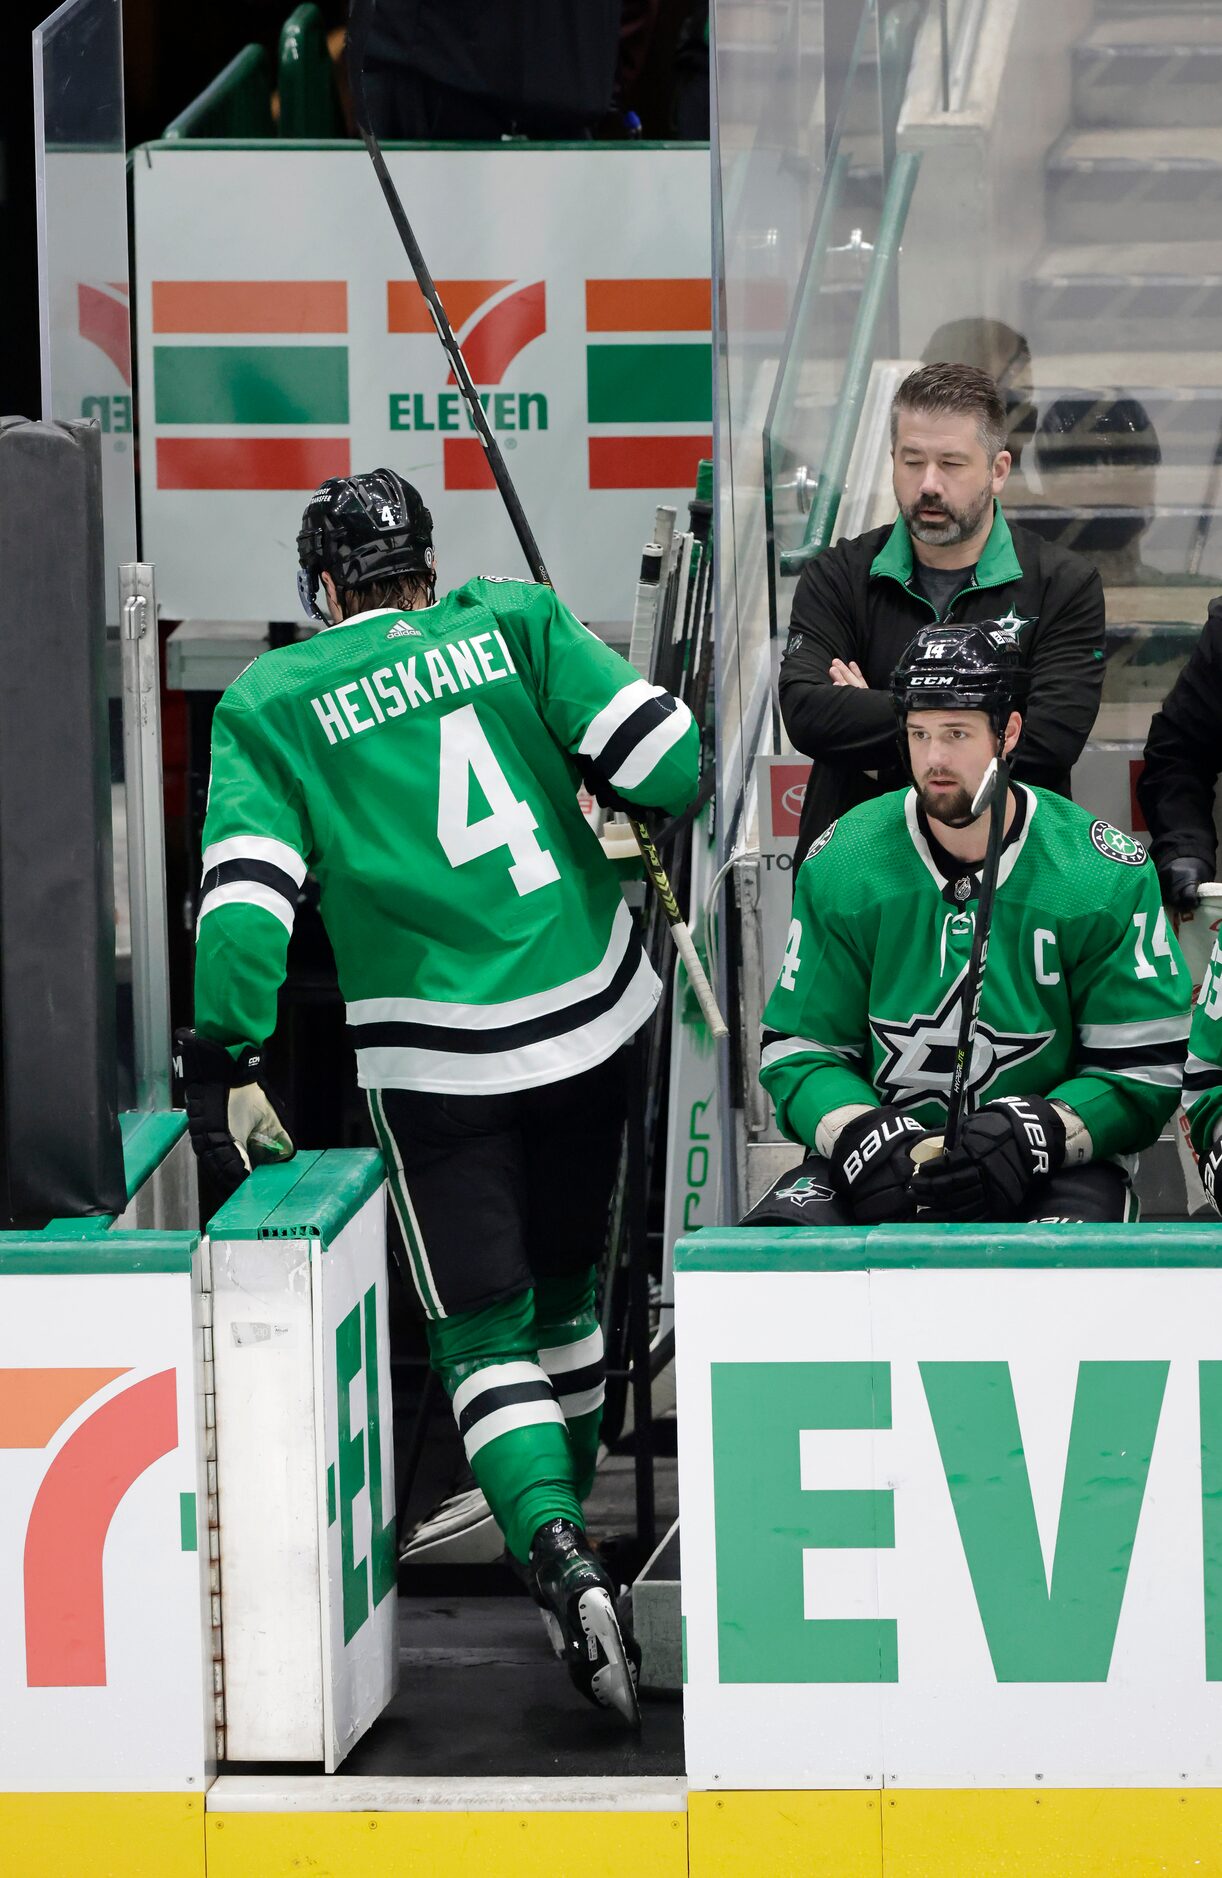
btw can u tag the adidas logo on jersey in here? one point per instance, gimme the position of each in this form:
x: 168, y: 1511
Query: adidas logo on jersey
x: 404, y: 631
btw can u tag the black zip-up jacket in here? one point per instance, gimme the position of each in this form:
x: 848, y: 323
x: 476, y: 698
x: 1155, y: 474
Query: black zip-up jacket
x: 856, y: 601
x: 1184, y: 756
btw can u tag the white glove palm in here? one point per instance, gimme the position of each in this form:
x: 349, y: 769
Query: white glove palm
x: 258, y: 1133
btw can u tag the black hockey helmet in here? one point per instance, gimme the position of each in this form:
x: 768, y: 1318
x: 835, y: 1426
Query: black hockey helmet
x: 359, y: 529
x: 961, y: 668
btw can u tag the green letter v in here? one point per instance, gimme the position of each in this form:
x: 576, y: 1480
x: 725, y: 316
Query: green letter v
x: 1037, y: 1632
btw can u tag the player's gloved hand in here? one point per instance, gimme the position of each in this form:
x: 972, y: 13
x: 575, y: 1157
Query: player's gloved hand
x: 597, y: 785
x: 232, y: 1121
x: 1003, y: 1149
x: 1180, y: 879
x: 1209, y: 1167
x: 871, y: 1164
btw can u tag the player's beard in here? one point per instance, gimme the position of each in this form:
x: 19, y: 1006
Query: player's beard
x: 953, y: 811
x: 960, y: 524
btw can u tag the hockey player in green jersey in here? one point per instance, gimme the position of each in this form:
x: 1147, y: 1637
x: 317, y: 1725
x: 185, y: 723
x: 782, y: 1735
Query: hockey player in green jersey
x: 1084, y: 1012
x: 421, y: 758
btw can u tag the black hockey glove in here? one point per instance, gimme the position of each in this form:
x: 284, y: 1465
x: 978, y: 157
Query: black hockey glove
x: 1209, y: 1166
x: 596, y: 784
x: 1180, y: 879
x: 871, y: 1165
x: 232, y: 1121
x: 1004, y: 1148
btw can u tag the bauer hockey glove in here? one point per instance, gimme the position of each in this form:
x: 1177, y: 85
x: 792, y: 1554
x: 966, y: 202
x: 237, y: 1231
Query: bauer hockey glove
x: 1209, y: 1167
x: 871, y: 1165
x: 232, y: 1121
x: 1003, y: 1150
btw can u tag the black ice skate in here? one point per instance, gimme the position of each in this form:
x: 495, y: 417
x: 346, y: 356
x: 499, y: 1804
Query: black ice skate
x: 578, y: 1598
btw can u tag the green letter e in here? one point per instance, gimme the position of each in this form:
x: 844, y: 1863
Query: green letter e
x: 765, y: 1520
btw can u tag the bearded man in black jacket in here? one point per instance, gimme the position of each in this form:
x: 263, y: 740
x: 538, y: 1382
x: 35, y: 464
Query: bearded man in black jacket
x: 951, y: 556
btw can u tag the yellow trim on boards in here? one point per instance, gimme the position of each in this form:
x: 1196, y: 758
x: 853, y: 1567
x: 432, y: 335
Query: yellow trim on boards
x: 1063, y: 1833
x: 784, y: 1835
x: 102, y: 1835
x: 1153, y: 1832
x: 388, y: 1845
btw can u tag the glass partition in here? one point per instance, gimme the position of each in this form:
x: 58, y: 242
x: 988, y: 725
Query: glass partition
x: 1048, y: 208
x: 82, y: 249
x: 809, y: 426
x: 769, y: 150
x: 1033, y: 187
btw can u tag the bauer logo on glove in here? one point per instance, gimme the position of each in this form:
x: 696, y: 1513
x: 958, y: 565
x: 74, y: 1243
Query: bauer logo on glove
x: 872, y: 1165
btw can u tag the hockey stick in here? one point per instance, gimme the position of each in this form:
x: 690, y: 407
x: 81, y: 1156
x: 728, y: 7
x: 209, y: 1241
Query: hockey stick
x: 992, y: 794
x: 358, y: 32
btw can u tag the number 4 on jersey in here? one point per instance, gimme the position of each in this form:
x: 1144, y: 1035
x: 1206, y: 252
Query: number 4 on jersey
x: 791, y: 961
x: 466, y: 752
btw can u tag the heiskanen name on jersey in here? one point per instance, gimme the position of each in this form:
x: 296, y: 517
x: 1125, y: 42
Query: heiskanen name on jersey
x: 481, y: 938
x: 1083, y: 999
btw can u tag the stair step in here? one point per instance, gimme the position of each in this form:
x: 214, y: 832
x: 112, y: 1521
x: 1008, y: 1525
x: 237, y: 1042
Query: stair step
x: 1143, y: 295
x: 1168, y: 490
x: 1186, y: 421
x: 1135, y: 185
x: 1093, y: 366
x: 1165, y: 536
x: 1149, y: 70
x: 1160, y: 27
x: 1150, y: 10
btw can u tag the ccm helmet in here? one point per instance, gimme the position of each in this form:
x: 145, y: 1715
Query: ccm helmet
x: 961, y: 668
x: 360, y: 529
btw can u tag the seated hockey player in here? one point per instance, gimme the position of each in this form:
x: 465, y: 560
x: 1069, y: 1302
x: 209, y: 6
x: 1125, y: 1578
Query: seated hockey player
x: 421, y: 757
x: 1084, y: 1011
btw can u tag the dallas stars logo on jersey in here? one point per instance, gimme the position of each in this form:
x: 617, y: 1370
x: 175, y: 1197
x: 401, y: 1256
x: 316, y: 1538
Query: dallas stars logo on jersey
x: 919, y: 1054
x: 1116, y: 845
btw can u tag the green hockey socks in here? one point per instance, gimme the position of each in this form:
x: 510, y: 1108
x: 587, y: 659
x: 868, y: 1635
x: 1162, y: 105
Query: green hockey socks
x: 571, y: 1352
x: 525, y: 1381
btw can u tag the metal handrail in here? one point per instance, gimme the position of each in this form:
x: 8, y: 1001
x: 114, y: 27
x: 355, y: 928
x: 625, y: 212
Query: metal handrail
x: 822, y: 518
x: 236, y: 103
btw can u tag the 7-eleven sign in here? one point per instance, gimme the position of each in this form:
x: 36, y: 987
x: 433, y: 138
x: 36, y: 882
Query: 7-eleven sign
x: 105, y: 1630
x: 90, y: 1471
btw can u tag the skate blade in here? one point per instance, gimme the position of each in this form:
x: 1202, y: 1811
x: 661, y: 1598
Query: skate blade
x: 613, y: 1686
x: 555, y: 1634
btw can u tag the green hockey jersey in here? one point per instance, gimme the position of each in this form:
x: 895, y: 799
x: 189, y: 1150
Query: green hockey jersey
x: 1085, y: 996
x: 1203, y: 1070
x: 424, y: 767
